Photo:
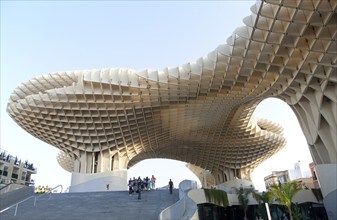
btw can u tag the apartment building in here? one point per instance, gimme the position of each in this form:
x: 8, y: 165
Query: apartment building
x: 15, y: 170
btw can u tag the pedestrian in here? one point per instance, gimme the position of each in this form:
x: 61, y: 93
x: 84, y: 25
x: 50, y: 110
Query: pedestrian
x: 285, y: 217
x: 107, y: 186
x: 135, y: 181
x: 148, y: 184
x: 171, y: 186
x: 153, y: 182
x: 139, y: 187
x: 130, y: 186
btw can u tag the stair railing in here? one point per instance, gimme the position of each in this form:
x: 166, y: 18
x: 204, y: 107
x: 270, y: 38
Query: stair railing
x: 17, y: 204
x: 5, y: 186
x: 35, y: 197
x: 48, y: 192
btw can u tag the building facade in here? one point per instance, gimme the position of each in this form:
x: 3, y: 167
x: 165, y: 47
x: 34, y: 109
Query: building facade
x: 14, y: 170
x: 280, y: 177
x: 313, y: 174
x: 276, y: 178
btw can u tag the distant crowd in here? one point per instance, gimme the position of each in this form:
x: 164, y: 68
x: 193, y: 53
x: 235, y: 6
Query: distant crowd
x: 137, y: 185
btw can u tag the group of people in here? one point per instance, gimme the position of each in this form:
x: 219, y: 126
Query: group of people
x: 138, y: 185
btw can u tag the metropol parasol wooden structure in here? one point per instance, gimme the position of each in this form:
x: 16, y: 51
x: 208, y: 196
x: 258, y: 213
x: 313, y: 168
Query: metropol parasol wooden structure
x: 106, y: 120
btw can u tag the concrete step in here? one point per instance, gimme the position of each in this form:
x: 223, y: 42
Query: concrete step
x: 94, y: 205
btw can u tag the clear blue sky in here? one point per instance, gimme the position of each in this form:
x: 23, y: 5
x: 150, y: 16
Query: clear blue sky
x: 40, y: 37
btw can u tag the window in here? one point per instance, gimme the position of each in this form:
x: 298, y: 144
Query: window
x: 5, y: 173
x: 281, y: 179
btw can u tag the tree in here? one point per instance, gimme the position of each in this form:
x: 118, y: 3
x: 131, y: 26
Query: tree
x: 284, y: 194
x: 243, y: 194
x: 263, y: 199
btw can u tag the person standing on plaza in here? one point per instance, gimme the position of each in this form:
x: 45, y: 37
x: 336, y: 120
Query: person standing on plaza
x: 130, y: 186
x: 153, y: 182
x: 171, y: 186
x: 139, y: 187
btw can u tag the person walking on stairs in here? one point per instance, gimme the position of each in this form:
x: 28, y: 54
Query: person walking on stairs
x: 171, y: 186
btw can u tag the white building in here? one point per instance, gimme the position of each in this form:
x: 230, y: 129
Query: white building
x: 15, y: 170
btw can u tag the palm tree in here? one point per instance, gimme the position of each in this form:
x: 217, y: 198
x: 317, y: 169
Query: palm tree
x: 263, y: 198
x: 284, y: 193
x: 243, y: 198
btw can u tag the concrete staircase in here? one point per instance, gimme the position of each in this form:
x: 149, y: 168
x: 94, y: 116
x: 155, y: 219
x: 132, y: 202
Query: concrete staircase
x: 94, y: 205
x: 14, y: 193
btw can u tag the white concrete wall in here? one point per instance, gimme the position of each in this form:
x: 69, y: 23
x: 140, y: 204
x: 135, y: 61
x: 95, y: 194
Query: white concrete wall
x: 304, y: 196
x: 327, y: 177
x: 81, y: 182
x: 198, y: 196
x: 235, y: 183
x: 185, y: 208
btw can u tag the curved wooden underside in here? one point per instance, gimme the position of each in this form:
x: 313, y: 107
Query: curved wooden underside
x: 199, y: 112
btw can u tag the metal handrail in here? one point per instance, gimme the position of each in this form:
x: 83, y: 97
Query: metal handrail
x: 17, y: 204
x: 49, y: 192
x: 5, y: 186
x: 11, y: 186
